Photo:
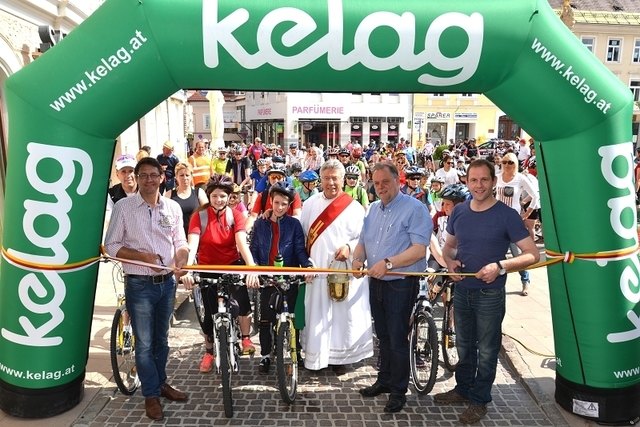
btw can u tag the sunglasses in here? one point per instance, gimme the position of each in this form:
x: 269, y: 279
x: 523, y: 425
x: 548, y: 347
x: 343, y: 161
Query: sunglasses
x: 449, y: 163
x: 352, y: 177
x: 343, y: 155
x: 508, y: 162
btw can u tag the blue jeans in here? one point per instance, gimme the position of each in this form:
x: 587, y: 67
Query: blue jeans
x: 150, y: 307
x: 478, y: 315
x: 391, y: 306
x: 515, y: 251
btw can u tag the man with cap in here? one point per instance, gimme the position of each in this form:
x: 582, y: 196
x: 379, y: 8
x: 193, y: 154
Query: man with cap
x: 168, y: 161
x: 219, y: 164
x: 201, y: 165
x: 127, y: 186
x: 293, y: 156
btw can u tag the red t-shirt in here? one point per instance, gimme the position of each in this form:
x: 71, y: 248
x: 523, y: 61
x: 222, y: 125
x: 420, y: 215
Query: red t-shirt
x: 257, y: 206
x: 218, y: 243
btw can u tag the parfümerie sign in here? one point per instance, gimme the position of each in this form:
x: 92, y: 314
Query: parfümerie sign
x: 131, y: 54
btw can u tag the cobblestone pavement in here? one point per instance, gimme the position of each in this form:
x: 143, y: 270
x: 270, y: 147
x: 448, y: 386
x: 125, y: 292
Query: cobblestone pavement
x: 324, y: 398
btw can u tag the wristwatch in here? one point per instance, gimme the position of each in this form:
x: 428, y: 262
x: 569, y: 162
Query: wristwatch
x: 502, y: 271
x: 388, y: 263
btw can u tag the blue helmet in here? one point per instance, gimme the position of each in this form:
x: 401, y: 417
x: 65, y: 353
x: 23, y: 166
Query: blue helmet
x: 308, y: 176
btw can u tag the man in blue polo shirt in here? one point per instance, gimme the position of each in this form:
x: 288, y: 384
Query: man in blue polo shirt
x: 395, y: 236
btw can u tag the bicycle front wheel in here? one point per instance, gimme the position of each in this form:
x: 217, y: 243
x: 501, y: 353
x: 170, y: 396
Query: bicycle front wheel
x: 123, y: 354
x: 423, y: 352
x: 449, y: 349
x: 225, y: 370
x: 286, y: 365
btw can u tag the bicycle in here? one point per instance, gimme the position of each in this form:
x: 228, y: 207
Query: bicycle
x: 444, y: 287
x: 286, y: 350
x: 423, y: 339
x: 122, y: 345
x: 226, y: 332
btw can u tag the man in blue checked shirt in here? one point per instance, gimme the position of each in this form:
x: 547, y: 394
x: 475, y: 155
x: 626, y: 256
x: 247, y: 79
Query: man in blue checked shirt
x: 395, y: 236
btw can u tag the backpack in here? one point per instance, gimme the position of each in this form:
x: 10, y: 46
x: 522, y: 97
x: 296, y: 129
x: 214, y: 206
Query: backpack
x: 204, y: 219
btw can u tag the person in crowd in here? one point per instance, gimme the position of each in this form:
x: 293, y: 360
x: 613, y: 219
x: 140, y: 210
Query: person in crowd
x: 235, y: 201
x: 447, y: 172
x: 147, y: 227
x: 219, y: 163
x: 256, y: 150
x: 308, y: 185
x: 239, y: 167
x: 296, y: 170
x: 353, y: 186
x: 412, y: 188
x: 263, y: 201
x: 168, y: 161
x: 189, y: 198
x: 200, y: 165
x: 434, y: 191
x: 510, y: 186
x: 294, y: 155
x: 218, y: 237
x: 125, y: 165
x: 401, y: 245
x: 479, y: 233
x: 280, y: 234
x: 524, y: 151
x: 337, y: 332
x: 313, y: 160
x: 401, y: 163
x: 141, y: 154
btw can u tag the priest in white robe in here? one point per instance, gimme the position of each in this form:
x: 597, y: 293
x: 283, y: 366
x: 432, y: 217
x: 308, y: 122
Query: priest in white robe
x: 335, y: 333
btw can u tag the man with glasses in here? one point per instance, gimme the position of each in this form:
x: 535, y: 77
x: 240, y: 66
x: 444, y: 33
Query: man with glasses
x: 448, y: 172
x: 149, y: 228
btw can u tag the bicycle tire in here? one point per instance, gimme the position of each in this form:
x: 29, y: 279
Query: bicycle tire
x: 123, y: 360
x: 449, y: 350
x: 198, y: 304
x: 286, y: 365
x: 423, y: 352
x: 225, y: 370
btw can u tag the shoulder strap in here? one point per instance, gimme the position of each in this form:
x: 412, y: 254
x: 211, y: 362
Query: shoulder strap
x: 204, y: 219
x: 263, y: 200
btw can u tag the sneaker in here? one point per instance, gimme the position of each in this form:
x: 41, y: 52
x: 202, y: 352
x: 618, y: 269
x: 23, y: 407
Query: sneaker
x: 206, y: 364
x: 247, y: 346
x: 525, y: 289
x: 451, y: 396
x: 473, y: 414
x: 264, y: 366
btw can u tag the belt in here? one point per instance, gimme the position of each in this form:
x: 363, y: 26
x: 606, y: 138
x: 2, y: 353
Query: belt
x: 156, y: 280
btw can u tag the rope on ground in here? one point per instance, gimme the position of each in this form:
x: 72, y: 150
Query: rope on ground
x: 537, y: 353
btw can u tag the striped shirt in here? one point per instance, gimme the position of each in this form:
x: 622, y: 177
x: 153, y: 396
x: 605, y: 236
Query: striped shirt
x: 155, y: 229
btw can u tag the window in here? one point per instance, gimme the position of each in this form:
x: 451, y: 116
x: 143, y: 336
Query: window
x: 356, y: 119
x: 374, y: 119
x: 467, y: 94
x: 395, y: 119
x: 634, y: 85
x: 206, y: 122
x: 613, y: 50
x: 589, y: 42
x: 636, y: 51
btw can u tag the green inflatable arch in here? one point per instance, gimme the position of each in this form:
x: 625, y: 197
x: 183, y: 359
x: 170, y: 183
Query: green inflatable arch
x: 66, y: 109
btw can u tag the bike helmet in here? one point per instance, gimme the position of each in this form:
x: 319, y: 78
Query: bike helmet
x: 261, y: 162
x: 308, y: 176
x: 456, y: 193
x: 437, y: 179
x: 532, y: 162
x: 413, y: 171
x: 333, y: 151
x: 296, y: 167
x: 237, y: 150
x: 352, y: 170
x: 283, y: 188
x: 236, y: 188
x: 344, y: 152
x: 276, y: 169
x: 277, y: 159
x: 461, y: 172
x: 223, y: 182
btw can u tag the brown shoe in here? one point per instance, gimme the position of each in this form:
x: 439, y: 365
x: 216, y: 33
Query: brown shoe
x: 172, y: 394
x: 153, y: 408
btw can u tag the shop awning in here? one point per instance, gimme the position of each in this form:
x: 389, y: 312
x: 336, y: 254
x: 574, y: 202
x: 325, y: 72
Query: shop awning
x: 232, y: 137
